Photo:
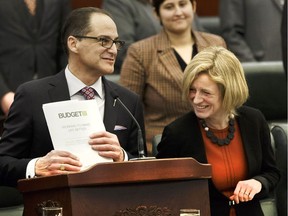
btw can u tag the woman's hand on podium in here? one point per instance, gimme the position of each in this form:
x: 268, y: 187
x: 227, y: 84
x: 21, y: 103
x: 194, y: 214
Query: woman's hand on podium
x: 57, y: 162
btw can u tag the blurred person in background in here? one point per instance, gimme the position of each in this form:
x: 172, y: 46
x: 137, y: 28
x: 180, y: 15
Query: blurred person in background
x: 30, y: 46
x: 135, y: 20
x: 153, y: 67
x: 251, y: 29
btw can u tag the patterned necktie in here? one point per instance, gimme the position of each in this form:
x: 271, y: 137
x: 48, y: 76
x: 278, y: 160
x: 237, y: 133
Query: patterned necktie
x: 31, y: 4
x: 89, y: 93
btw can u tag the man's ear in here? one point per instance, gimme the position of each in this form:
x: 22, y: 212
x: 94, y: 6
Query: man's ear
x: 72, y: 44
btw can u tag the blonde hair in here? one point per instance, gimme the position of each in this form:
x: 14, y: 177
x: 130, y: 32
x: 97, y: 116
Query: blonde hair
x: 223, y: 68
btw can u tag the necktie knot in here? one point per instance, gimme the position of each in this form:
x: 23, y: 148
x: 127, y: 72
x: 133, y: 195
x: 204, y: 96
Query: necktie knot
x: 89, y: 93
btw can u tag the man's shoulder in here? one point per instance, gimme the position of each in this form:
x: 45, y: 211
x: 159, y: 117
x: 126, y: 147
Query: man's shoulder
x: 120, y: 90
x: 42, y: 83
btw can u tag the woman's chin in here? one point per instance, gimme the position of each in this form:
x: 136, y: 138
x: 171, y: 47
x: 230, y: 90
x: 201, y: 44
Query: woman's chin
x: 201, y: 115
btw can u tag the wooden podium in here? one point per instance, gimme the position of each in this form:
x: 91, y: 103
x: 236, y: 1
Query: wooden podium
x: 144, y: 187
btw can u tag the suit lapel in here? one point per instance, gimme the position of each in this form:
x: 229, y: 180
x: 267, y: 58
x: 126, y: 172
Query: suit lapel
x: 200, y: 42
x: 46, y: 9
x: 110, y: 110
x: 40, y: 13
x: 22, y: 12
x: 168, y: 58
x: 30, y: 23
x: 197, y: 143
x: 59, y: 88
x: 245, y: 128
x: 59, y: 92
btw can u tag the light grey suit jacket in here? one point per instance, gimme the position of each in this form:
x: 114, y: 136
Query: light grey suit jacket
x: 251, y: 28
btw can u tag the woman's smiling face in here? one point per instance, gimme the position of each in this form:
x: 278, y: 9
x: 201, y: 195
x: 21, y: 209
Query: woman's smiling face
x: 205, y: 97
x: 176, y: 15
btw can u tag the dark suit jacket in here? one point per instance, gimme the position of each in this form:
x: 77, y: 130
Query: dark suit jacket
x: 26, y: 48
x: 26, y: 134
x: 182, y: 138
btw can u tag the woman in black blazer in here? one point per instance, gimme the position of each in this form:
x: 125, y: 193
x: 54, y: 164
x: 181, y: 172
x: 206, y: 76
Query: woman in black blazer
x: 234, y: 139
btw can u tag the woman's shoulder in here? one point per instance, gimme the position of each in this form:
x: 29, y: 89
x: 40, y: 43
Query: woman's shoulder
x: 149, y: 40
x: 205, y: 39
x: 247, y: 110
x: 250, y: 113
x: 157, y: 41
x: 207, y: 35
x: 186, y: 119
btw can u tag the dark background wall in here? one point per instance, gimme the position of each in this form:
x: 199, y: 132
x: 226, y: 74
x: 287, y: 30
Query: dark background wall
x: 204, y: 7
x: 207, y: 7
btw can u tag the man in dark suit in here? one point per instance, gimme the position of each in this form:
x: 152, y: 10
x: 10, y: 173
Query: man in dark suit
x: 30, y: 45
x: 90, y: 39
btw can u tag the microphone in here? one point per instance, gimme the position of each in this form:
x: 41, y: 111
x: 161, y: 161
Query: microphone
x: 140, y: 140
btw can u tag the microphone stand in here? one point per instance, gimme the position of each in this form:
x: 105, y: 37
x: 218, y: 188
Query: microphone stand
x: 140, y: 141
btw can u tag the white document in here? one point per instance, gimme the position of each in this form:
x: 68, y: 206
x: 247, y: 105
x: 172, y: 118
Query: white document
x: 70, y: 123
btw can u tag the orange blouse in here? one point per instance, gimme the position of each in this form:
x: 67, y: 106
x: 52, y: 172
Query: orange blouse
x: 229, y: 164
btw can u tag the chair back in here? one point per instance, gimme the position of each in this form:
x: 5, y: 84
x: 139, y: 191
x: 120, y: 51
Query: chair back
x: 210, y: 24
x: 279, y: 133
x: 267, y: 88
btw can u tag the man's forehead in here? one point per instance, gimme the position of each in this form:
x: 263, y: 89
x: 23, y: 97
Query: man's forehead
x: 101, y: 18
x: 101, y: 23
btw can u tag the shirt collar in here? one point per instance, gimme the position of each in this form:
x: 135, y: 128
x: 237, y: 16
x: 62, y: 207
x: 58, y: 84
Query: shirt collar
x: 75, y: 84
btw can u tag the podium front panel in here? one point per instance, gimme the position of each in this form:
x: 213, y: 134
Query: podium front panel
x: 168, y: 197
x: 119, y: 189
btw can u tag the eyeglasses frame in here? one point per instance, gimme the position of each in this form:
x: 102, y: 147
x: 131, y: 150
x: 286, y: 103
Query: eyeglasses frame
x: 120, y: 42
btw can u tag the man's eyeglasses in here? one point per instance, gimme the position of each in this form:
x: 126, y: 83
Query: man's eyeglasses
x: 105, y: 42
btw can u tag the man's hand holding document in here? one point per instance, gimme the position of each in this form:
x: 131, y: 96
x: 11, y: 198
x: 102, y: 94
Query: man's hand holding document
x: 70, y: 124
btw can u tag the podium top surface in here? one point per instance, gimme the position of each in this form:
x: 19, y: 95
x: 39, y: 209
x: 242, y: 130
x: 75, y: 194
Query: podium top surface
x: 121, y: 173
